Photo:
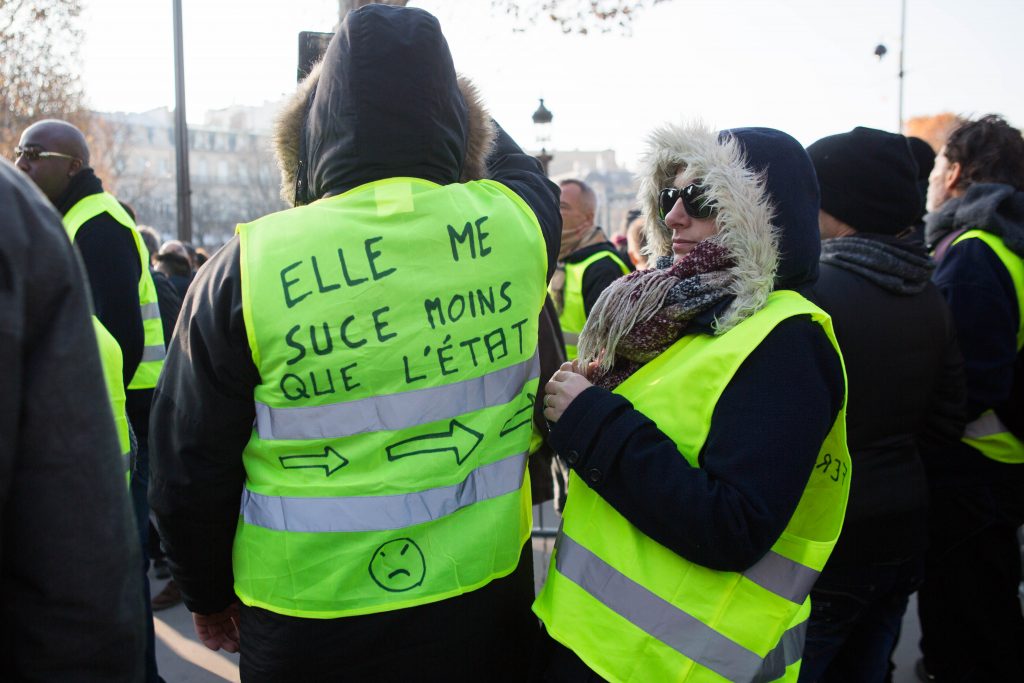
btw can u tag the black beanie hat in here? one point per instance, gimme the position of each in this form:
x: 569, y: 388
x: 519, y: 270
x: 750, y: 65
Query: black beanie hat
x: 868, y: 180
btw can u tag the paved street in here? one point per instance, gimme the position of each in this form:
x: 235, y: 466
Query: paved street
x: 183, y: 659
x: 180, y: 657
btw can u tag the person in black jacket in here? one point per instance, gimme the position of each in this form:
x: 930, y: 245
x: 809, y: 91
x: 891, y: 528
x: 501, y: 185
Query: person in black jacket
x: 971, y: 622
x: 55, y: 156
x: 70, y: 588
x: 168, y: 297
x: 906, y: 393
x: 367, y: 114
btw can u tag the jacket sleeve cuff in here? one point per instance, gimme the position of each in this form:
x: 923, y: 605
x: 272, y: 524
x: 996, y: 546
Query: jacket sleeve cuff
x: 579, y: 437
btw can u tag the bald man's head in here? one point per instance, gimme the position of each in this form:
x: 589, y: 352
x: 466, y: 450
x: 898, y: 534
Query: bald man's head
x: 51, y: 153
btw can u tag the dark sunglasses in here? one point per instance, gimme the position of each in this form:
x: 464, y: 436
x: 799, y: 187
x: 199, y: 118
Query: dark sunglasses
x: 35, y: 154
x: 694, y: 201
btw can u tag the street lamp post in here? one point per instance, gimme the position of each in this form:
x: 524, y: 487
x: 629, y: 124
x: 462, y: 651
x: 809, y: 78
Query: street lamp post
x: 542, y: 128
x: 880, y: 52
x: 181, y: 133
x: 903, y: 40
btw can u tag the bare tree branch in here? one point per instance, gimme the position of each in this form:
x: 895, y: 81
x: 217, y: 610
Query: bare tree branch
x: 39, y: 42
x: 572, y: 16
x: 575, y: 16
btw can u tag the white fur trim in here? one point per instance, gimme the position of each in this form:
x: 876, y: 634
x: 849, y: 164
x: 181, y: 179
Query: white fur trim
x: 745, y: 211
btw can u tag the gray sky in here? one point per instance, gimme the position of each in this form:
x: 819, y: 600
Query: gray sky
x: 805, y: 66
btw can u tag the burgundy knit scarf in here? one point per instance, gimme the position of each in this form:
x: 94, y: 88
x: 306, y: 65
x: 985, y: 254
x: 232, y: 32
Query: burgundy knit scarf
x: 639, y: 316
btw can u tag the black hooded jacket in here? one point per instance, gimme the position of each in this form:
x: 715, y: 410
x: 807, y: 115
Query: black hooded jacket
x: 355, y: 133
x: 378, y: 109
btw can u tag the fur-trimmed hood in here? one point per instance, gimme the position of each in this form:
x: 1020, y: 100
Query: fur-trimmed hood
x: 764, y: 186
x: 384, y: 102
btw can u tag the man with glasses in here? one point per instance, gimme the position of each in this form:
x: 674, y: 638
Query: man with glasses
x: 54, y: 154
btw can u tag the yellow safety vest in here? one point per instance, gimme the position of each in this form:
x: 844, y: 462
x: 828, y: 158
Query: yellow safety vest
x: 573, y: 315
x: 111, y: 359
x: 394, y: 328
x: 153, y: 351
x: 632, y: 609
x: 988, y: 434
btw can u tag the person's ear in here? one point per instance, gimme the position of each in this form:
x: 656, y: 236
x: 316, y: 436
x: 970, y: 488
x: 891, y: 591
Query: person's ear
x: 953, y: 174
x: 75, y: 167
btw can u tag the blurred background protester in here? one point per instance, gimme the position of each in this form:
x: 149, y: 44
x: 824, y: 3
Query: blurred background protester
x: 636, y: 242
x: 587, y: 261
x: 621, y: 239
x: 175, y: 261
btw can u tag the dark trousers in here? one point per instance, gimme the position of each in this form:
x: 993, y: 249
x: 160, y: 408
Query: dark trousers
x: 555, y: 663
x: 485, y: 635
x: 971, y: 623
x: 139, y: 488
x: 856, y: 613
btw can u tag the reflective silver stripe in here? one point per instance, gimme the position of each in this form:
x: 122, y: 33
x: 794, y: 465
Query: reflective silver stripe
x: 655, y: 616
x: 396, y: 411
x: 788, y: 652
x: 383, y: 513
x: 571, y: 338
x: 784, y: 577
x: 151, y: 311
x: 127, y: 459
x: 988, y: 424
x: 152, y: 353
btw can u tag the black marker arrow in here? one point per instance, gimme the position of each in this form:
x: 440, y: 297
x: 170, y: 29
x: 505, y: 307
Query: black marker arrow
x: 459, y: 438
x: 518, y: 419
x: 330, y: 460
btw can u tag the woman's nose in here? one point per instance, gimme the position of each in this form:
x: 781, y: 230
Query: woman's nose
x: 678, y: 215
